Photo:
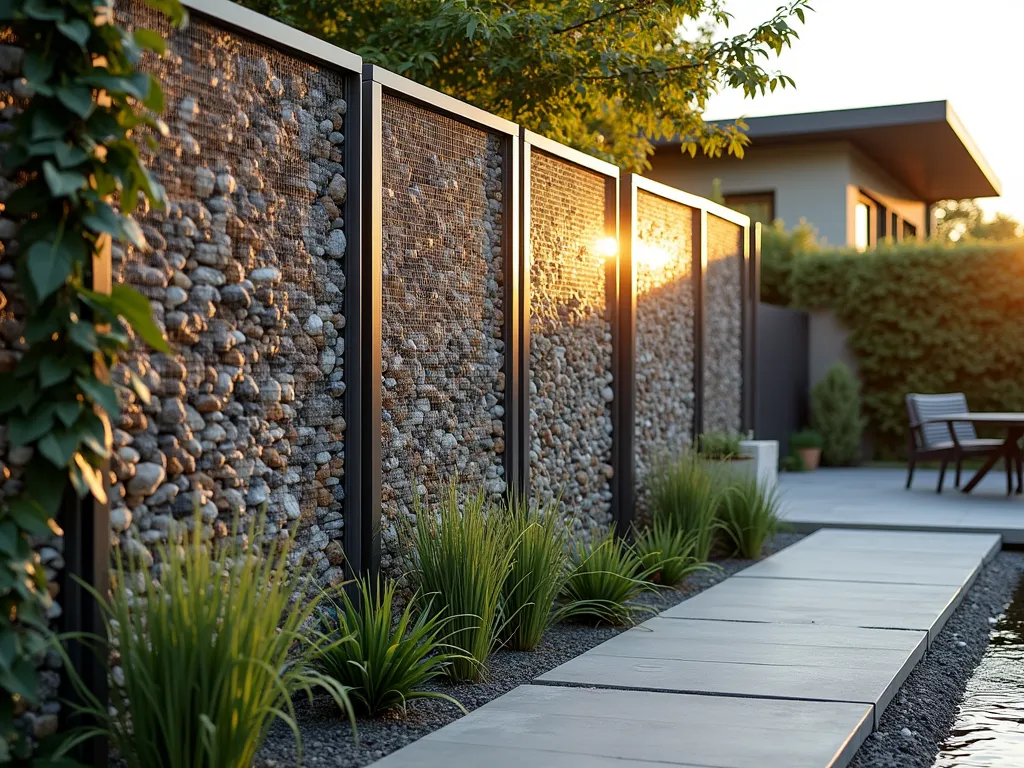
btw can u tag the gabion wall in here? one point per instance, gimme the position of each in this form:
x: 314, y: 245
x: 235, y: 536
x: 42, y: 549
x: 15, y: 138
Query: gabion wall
x: 442, y: 318
x: 723, y: 327
x: 246, y: 273
x: 664, y: 404
x: 570, y: 342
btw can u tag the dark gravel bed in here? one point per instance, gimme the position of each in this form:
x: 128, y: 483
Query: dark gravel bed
x: 923, y: 712
x: 327, y: 738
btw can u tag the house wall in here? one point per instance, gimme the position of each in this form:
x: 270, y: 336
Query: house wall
x: 809, y: 182
x: 817, y: 182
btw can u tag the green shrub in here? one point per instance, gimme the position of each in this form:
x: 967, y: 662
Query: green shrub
x: 682, y: 496
x: 806, y: 438
x: 540, y: 565
x: 606, y: 575
x: 666, y: 553
x: 924, y: 317
x: 383, y: 663
x: 460, y: 562
x: 781, y: 251
x: 211, y: 655
x: 719, y: 445
x: 749, y: 515
x: 835, y: 414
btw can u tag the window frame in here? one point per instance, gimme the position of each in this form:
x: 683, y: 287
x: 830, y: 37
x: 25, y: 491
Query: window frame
x: 762, y: 196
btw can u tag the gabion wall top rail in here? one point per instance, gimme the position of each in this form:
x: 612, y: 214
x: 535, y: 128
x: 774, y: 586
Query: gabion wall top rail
x: 570, y: 221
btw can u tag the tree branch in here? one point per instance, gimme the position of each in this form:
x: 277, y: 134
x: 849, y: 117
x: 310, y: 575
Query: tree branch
x: 602, y: 16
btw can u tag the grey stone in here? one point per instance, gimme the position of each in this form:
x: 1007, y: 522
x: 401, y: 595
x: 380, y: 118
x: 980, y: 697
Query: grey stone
x: 204, y: 181
x: 147, y: 479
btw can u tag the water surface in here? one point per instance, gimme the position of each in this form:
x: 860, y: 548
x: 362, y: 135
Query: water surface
x: 989, y: 728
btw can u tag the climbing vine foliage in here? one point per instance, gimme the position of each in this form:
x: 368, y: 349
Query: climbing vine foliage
x: 74, y: 155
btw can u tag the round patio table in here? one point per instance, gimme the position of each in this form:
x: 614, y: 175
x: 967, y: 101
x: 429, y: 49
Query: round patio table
x: 1013, y: 423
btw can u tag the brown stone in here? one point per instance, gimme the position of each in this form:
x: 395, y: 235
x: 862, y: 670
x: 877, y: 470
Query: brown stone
x: 335, y: 554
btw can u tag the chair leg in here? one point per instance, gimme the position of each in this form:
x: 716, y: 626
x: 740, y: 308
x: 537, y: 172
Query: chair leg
x: 1020, y: 472
x: 959, y: 463
x: 942, y: 474
x: 910, y: 472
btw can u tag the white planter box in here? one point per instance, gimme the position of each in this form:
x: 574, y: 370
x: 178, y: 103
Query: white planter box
x: 742, y: 468
x: 765, y: 457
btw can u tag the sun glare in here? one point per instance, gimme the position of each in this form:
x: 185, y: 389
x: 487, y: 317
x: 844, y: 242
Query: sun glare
x: 607, y: 247
x: 650, y: 256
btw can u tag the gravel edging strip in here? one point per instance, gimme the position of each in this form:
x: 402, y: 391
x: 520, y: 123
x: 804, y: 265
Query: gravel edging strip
x: 327, y: 737
x: 922, y: 715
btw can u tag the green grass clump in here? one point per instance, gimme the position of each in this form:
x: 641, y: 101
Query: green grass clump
x: 666, y: 553
x: 460, y: 562
x: 383, y: 663
x: 540, y: 566
x: 749, y: 515
x: 606, y: 575
x: 719, y: 445
x: 683, y: 499
x: 211, y: 654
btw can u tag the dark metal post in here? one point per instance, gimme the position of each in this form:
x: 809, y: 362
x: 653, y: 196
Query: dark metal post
x: 699, y: 249
x: 622, y: 277
x: 525, y: 157
x: 516, y: 367
x: 365, y: 535
x: 745, y: 347
x: 354, y: 326
x: 753, y: 300
x: 86, y: 524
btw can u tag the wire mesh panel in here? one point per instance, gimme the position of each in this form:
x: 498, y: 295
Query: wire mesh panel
x: 246, y: 273
x: 570, y: 341
x: 723, y: 327
x: 662, y: 257
x: 442, y: 313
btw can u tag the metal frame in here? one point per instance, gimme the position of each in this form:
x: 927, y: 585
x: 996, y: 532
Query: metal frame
x: 624, y: 354
x: 751, y: 301
x: 358, y: 542
x: 535, y: 142
x: 377, y: 82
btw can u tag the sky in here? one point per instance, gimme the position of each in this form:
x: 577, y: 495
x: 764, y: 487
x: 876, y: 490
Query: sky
x: 860, y: 53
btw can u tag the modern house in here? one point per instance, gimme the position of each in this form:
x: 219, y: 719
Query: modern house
x: 857, y: 175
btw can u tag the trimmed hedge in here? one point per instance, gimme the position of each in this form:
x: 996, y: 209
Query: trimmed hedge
x: 924, y: 317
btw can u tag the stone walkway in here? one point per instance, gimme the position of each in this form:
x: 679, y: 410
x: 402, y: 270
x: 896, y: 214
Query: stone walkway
x: 790, y: 663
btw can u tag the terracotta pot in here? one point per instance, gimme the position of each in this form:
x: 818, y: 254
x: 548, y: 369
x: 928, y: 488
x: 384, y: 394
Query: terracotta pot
x: 810, y: 458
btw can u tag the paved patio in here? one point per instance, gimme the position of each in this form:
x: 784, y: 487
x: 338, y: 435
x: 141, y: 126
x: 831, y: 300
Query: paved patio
x: 814, y: 641
x: 865, y: 497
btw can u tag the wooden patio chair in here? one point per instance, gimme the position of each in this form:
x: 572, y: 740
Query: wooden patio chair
x: 944, y: 441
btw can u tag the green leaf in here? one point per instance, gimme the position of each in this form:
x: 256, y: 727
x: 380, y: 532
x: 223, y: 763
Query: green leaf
x: 96, y: 434
x: 53, y: 370
x: 40, y: 10
x: 62, y: 183
x: 131, y: 230
x: 30, y: 516
x: 77, y: 99
x: 49, y: 266
x: 76, y: 30
x: 46, y: 125
x: 22, y: 680
x: 68, y: 412
x: 83, y: 336
x: 37, y: 68
x: 23, y: 429
x: 45, y: 485
x: 104, y: 219
x: 154, y: 96
x: 101, y: 394
x: 59, y: 447
x: 147, y: 38
x: 69, y: 155
x: 136, y: 309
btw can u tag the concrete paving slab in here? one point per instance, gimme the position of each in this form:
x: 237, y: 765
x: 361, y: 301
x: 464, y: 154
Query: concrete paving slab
x: 798, y: 661
x: 555, y: 727
x: 887, y: 566
x: 983, y: 545
x: 838, y: 603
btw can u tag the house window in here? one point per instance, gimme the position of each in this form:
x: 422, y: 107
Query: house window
x: 759, y: 206
x: 909, y: 231
x: 894, y: 227
x: 869, y: 222
x: 862, y: 226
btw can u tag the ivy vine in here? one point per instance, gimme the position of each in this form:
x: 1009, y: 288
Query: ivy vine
x: 73, y: 151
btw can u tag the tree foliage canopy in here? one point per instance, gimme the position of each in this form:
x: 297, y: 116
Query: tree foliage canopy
x: 605, y: 76
x: 957, y: 220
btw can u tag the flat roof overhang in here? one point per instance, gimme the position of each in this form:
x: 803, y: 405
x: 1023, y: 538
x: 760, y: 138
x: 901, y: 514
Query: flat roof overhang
x: 924, y: 145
